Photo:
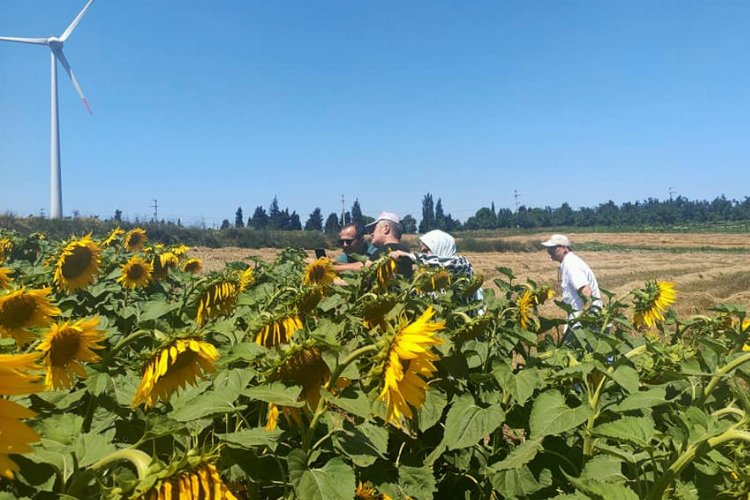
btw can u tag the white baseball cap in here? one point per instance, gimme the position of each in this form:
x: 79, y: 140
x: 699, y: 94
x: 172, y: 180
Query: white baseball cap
x: 557, y: 240
x: 393, y: 217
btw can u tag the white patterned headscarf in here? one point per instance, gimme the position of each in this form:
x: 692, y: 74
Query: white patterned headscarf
x: 439, y: 242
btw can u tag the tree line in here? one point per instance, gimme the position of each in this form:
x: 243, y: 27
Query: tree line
x: 652, y: 211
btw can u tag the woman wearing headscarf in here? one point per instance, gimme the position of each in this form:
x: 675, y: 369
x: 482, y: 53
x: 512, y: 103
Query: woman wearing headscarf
x: 438, y: 249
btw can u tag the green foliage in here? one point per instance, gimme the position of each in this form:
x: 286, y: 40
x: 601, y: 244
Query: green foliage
x: 509, y: 411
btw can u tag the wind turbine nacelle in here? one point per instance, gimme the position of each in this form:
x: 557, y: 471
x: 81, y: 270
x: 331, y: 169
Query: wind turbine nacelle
x: 54, y: 42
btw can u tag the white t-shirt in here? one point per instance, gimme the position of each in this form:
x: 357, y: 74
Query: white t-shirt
x: 575, y: 274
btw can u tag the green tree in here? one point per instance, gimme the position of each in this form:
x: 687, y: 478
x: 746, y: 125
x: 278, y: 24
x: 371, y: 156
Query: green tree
x: 357, y: 213
x: 260, y: 218
x: 428, y: 214
x: 275, y: 216
x: 238, y: 220
x: 224, y: 224
x: 410, y: 224
x: 440, y: 216
x: 315, y: 221
x: 332, y: 225
x: 294, y: 221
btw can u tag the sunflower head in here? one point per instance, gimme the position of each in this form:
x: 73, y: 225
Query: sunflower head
x: 475, y: 284
x: 375, y: 309
x: 408, y: 362
x: 65, y: 346
x: 543, y: 294
x: 305, y: 367
x: 135, y: 273
x: 23, y: 309
x: 246, y: 279
x: 78, y: 264
x: 192, y: 266
x: 200, y: 480
x: 309, y: 298
x: 5, y: 279
x: 6, y: 247
x: 135, y: 239
x: 651, y: 302
x: 525, y: 309
x: 385, y: 271
x: 180, y: 250
x: 217, y: 299
x: 432, y: 280
x: 278, y: 331
x: 161, y: 263
x: 366, y: 491
x: 319, y: 272
x: 113, y: 236
x: 172, y: 367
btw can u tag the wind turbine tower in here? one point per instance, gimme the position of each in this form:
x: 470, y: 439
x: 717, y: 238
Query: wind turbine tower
x: 55, y: 45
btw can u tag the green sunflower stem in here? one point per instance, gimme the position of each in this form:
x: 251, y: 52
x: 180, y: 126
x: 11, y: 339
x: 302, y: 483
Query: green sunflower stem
x: 347, y: 360
x: 691, y: 453
x: 123, y: 342
x: 722, y: 372
x: 139, y: 459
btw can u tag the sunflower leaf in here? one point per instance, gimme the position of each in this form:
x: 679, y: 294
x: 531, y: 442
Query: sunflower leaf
x: 363, y: 444
x: 550, y: 415
x: 467, y: 423
x: 251, y: 438
x: 277, y: 393
x: 641, y: 400
x: 91, y: 447
x: 334, y: 481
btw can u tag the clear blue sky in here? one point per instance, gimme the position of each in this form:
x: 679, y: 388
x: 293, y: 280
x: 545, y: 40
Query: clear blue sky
x: 207, y: 106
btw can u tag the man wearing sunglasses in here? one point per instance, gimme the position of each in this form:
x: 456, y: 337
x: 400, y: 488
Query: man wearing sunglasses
x: 352, y: 241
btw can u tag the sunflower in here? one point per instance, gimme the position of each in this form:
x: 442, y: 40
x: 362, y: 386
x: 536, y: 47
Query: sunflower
x: 431, y: 280
x: 306, y: 368
x: 162, y: 263
x: 247, y: 278
x: 543, y: 294
x: 375, y: 309
x: 525, y: 307
x: 135, y: 239
x: 112, y: 236
x: 23, y: 309
x: 385, y: 270
x: 652, y: 301
x: 319, y: 272
x: 218, y: 299
x: 407, y: 360
x: 5, y: 278
x: 272, y: 417
x: 14, y: 374
x: 15, y: 380
x: 178, y: 364
x: 78, y: 264
x: 65, y: 345
x: 309, y: 298
x: 278, y: 331
x: 475, y: 284
x: 136, y: 273
x: 6, y: 246
x: 366, y: 491
x: 180, y: 250
x: 202, y: 481
x: 192, y: 266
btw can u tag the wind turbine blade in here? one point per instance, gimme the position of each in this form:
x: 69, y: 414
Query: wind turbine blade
x: 35, y: 41
x: 61, y: 57
x: 75, y: 22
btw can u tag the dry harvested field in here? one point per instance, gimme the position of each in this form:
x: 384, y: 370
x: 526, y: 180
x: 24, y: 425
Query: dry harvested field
x: 703, y: 278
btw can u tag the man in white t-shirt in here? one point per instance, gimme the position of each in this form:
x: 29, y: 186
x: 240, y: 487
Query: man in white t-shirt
x: 577, y: 280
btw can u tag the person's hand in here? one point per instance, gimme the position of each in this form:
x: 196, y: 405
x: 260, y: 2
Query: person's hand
x: 398, y: 254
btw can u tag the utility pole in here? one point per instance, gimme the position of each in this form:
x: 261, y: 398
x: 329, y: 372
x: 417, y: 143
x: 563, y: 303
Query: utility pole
x: 155, y: 206
x: 41, y: 213
x: 516, y: 196
x: 343, y: 210
x: 671, y: 192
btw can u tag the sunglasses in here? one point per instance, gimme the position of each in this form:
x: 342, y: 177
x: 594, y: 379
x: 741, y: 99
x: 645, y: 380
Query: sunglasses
x: 346, y: 241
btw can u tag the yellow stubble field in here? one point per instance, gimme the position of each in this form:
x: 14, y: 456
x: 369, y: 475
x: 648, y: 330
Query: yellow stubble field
x: 707, y: 269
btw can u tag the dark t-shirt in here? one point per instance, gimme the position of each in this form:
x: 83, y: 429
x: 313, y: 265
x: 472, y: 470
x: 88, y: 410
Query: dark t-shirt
x: 404, y: 264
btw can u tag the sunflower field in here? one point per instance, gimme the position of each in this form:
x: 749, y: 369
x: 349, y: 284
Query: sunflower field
x: 127, y: 373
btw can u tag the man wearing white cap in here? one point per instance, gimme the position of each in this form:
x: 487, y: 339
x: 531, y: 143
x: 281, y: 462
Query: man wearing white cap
x: 386, y: 236
x: 577, y: 280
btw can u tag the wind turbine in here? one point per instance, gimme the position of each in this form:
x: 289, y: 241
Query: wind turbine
x: 55, y: 45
